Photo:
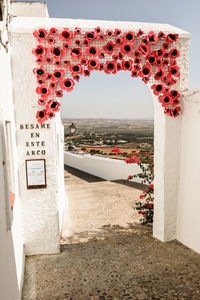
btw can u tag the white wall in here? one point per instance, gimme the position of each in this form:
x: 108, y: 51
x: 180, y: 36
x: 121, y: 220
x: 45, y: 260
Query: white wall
x: 11, y: 243
x: 29, y: 9
x: 109, y: 169
x: 188, y: 220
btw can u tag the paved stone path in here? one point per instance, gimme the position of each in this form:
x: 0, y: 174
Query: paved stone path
x: 120, y: 261
x: 93, y: 203
x: 128, y: 264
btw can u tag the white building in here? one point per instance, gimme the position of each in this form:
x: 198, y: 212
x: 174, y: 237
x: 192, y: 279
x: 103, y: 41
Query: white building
x: 33, y: 225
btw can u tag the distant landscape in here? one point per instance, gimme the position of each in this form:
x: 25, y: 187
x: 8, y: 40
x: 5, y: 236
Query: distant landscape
x: 99, y: 136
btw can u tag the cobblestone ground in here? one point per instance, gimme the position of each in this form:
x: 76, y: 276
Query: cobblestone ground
x: 118, y: 264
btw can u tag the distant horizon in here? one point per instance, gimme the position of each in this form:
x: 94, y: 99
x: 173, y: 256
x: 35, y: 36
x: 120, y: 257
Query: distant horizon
x: 99, y: 118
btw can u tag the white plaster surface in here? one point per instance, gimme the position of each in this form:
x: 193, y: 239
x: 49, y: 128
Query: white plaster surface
x: 28, y: 9
x: 188, y: 220
x: 11, y: 243
x: 109, y: 169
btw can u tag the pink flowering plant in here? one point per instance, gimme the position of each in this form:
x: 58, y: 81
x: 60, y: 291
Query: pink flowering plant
x: 145, y: 205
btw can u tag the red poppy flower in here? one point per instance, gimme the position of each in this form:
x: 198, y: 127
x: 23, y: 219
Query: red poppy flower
x: 151, y: 59
x: 152, y: 38
x: 161, y: 35
x: 117, y: 32
x: 76, y: 77
x: 129, y: 37
x: 140, y: 32
x: 51, y: 40
x: 165, y: 46
x: 41, y: 102
x: 92, y: 51
x: 86, y: 73
x: 172, y: 37
x: 137, y: 60
x: 58, y: 74
x: 66, y: 46
x: 40, y: 35
x: 59, y: 93
x: 159, y: 74
x: 174, y: 112
x: 166, y: 55
x: 176, y: 102
x: 57, y: 63
x: 129, y: 160
x: 77, y: 30
x: 174, y: 53
x: 165, y: 100
x: 52, y: 85
x: 174, y: 93
x: 118, y: 41
x: 77, y: 42
x: 67, y: 84
x: 137, y: 53
x: 157, y: 89
x: 159, y: 53
x: 41, y: 81
x: 109, y: 33
x: 174, y: 70
x: 90, y: 36
x: 130, y: 176
x: 98, y: 30
x: 101, y: 66
x: 66, y: 35
x: 39, y: 50
x: 84, y: 61
x: 53, y: 105
x: 86, y: 42
x: 48, y: 76
x: 146, y: 71
x: 53, y: 30
x: 40, y: 72
x: 115, y: 57
x: 168, y: 80
x: 48, y: 59
x: 134, y: 73
x: 165, y: 62
x: 41, y: 116
x: 76, y: 53
x: 126, y: 49
x: 93, y: 64
x: 101, y: 55
x: 119, y: 66
x: 109, y: 47
x: 39, y: 60
x: 120, y: 55
x: 145, y: 39
x: 43, y: 91
x: 57, y: 52
x: 127, y: 65
x: 101, y: 37
x: 66, y: 63
x: 110, y: 67
x: 144, y: 48
x: 50, y: 114
x: 76, y: 69
x: 145, y: 79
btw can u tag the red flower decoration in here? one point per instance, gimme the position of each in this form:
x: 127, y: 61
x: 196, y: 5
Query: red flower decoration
x: 126, y: 49
x: 76, y: 53
x: 51, y: 40
x: 98, y: 30
x: 57, y: 52
x: 66, y: 35
x: 152, y: 38
x: 166, y: 100
x: 159, y: 74
x: 171, y: 38
x: 93, y: 64
x: 53, y: 31
x: 40, y: 35
x: 43, y: 91
x: 109, y: 47
x: 157, y: 89
x: 53, y: 105
x: 140, y: 32
x: 117, y: 32
x: 110, y: 67
x: 59, y: 93
x: 58, y: 74
x: 67, y: 84
x: 39, y: 50
x: 174, y: 53
x: 76, y: 69
x: 90, y: 36
x: 174, y: 70
x: 92, y: 51
x: 127, y: 65
x: 129, y: 37
x: 41, y: 116
x: 161, y: 35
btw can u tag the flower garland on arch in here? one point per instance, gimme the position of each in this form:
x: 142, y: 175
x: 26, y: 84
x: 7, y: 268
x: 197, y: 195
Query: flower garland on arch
x: 63, y: 56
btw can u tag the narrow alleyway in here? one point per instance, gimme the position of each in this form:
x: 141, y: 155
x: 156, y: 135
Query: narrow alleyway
x: 107, y: 254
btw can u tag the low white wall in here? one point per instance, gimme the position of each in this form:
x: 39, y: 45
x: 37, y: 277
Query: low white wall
x: 106, y: 168
x: 188, y: 220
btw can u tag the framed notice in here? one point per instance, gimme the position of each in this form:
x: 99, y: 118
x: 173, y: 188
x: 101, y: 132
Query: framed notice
x: 36, y: 174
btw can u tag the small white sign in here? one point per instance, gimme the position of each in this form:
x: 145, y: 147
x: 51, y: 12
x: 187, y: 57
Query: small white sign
x: 36, y: 173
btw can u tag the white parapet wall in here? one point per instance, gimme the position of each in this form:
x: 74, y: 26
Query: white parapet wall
x: 188, y: 220
x: 106, y: 168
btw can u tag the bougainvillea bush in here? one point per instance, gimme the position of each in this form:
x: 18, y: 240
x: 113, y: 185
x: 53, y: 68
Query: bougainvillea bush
x: 64, y: 55
x: 145, y: 205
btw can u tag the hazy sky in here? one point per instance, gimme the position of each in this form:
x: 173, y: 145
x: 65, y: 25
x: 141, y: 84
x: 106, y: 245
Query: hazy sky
x: 120, y: 96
